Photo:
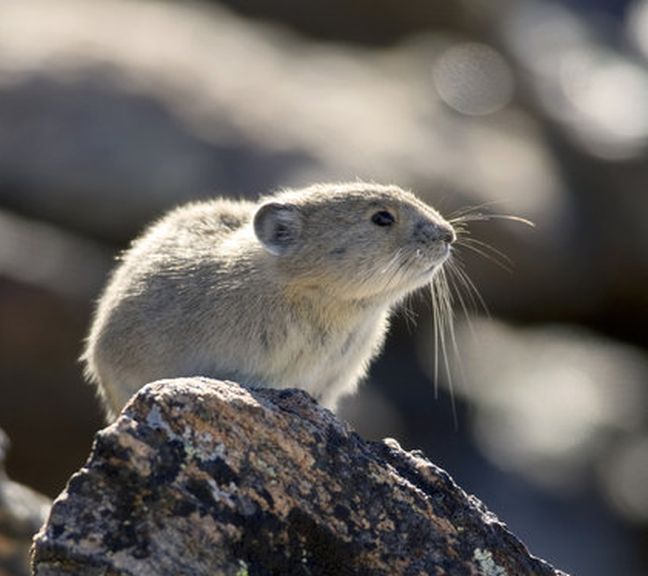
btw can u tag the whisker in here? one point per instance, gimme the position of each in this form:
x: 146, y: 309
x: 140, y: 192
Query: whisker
x: 460, y: 228
x: 447, y: 330
x: 466, y: 242
x: 452, y: 284
x: 470, y: 286
x: 398, y: 267
x: 455, y: 285
x: 488, y: 246
x: 453, y: 267
x: 392, y: 260
x: 481, y: 217
x: 470, y: 209
x: 389, y: 272
x: 408, y: 313
x: 435, y: 323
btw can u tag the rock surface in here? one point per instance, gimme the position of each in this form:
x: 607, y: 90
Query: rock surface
x: 205, y: 477
x: 22, y: 512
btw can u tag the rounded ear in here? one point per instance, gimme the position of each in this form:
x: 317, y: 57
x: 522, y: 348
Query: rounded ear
x: 278, y: 227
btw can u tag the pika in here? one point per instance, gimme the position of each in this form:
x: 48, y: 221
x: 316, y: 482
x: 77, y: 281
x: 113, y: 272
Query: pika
x: 293, y: 291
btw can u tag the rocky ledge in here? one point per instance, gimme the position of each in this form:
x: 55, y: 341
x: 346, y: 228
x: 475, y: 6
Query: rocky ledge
x: 22, y: 512
x: 199, y: 476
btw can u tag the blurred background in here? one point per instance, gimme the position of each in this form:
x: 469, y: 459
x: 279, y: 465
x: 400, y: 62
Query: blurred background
x: 111, y: 112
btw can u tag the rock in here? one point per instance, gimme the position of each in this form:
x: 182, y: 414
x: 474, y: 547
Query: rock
x: 51, y: 419
x: 205, y: 477
x: 560, y: 401
x: 61, y: 263
x: 22, y: 512
x: 350, y: 21
x: 100, y: 133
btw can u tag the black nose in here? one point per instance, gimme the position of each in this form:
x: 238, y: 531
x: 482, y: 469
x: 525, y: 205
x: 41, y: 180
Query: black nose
x: 447, y: 234
x: 426, y: 231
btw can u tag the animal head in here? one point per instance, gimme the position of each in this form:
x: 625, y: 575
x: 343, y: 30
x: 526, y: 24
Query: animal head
x: 354, y: 240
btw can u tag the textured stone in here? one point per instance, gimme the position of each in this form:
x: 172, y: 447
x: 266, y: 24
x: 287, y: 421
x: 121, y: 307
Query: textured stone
x: 204, y: 477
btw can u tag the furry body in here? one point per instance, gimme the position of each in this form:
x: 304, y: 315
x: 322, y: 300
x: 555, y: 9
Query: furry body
x: 294, y: 291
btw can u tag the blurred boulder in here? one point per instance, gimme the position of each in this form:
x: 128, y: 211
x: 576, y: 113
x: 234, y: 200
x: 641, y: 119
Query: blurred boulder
x: 585, y: 81
x: 48, y: 278
x: 581, y: 77
x: 51, y: 259
x: 101, y: 133
x: 202, y: 477
x: 358, y: 21
x: 555, y: 404
x: 22, y: 512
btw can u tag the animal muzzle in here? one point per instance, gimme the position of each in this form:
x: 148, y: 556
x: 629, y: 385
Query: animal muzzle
x: 426, y: 232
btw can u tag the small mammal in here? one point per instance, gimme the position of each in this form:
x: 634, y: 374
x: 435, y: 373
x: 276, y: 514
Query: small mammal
x: 293, y: 291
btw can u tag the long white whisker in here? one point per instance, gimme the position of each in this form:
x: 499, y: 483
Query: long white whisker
x: 470, y: 286
x: 388, y: 271
x: 392, y: 261
x: 408, y: 313
x: 481, y: 217
x: 452, y: 284
x: 447, y: 329
x: 456, y: 285
x: 453, y: 216
x: 397, y: 267
x: 435, y: 322
x: 488, y: 247
x: 475, y: 304
x: 468, y: 243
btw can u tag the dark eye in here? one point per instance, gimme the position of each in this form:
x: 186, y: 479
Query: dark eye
x: 383, y: 218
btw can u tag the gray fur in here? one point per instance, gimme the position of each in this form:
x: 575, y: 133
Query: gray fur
x: 292, y: 292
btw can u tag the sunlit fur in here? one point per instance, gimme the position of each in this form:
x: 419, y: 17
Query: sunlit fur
x: 202, y: 293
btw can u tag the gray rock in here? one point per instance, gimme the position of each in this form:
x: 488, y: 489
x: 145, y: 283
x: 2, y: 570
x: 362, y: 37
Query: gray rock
x: 100, y: 132
x: 204, y: 477
x: 22, y: 512
x: 560, y: 401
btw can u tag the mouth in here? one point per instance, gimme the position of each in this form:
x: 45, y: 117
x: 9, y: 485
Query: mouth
x: 438, y: 260
x: 430, y: 270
